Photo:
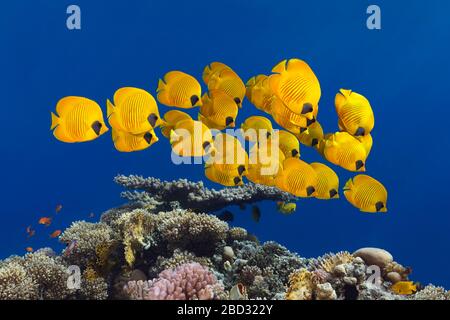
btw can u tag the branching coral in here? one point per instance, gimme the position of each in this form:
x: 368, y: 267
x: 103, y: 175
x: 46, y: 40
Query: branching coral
x: 194, y: 195
x: 15, y: 284
x: 190, y: 281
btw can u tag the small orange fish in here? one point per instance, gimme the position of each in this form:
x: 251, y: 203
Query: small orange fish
x: 29, y: 249
x: 58, y: 208
x: 45, y: 221
x: 30, y: 232
x: 55, y: 234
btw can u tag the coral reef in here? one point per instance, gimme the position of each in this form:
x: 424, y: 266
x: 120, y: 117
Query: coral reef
x: 189, y: 281
x: 164, y: 195
x: 140, y: 251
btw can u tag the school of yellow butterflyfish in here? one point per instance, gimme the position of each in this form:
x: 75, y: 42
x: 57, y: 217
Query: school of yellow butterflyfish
x: 290, y: 95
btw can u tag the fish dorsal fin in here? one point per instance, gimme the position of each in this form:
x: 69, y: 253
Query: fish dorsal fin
x: 274, y: 82
x: 260, y: 78
x: 362, y: 179
x: 123, y: 93
x: 280, y: 67
x: 297, y: 65
x: 172, y: 117
x: 173, y: 76
x: 66, y: 104
x: 345, y: 92
x: 211, y: 69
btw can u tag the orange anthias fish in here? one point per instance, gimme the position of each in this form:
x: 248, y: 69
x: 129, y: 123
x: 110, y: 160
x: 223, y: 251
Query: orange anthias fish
x: 45, y: 221
x: 55, y: 234
x: 30, y: 232
x: 58, y: 208
x: 29, y: 249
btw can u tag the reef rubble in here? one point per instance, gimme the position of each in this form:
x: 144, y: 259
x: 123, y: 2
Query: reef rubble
x: 165, y: 244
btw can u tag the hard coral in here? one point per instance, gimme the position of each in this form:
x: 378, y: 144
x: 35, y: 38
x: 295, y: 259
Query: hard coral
x: 190, y: 281
x: 301, y: 285
x: 88, y: 237
x: 186, y: 230
x: 194, y: 195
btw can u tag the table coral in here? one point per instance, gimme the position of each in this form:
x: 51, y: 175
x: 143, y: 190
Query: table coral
x: 194, y: 195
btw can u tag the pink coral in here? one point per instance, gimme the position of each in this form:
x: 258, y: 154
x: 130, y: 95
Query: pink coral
x: 189, y: 281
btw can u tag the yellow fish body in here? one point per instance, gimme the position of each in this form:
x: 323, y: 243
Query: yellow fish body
x: 77, y: 119
x: 171, y: 118
x: 218, y: 110
x: 366, y: 194
x: 312, y: 136
x: 229, y: 155
x: 134, y: 111
x: 190, y: 138
x: 367, y: 142
x: 127, y: 142
x: 286, y: 207
x: 327, y: 182
x: 404, y: 288
x: 255, y: 126
x: 297, y: 178
x: 179, y: 89
x: 344, y: 150
x: 296, y: 85
x: 222, y: 177
x: 289, y: 145
x: 265, y: 163
x: 288, y: 119
x: 258, y: 92
x: 218, y: 76
x: 354, y: 112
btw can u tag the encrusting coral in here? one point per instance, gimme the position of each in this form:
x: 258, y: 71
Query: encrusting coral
x: 188, y: 254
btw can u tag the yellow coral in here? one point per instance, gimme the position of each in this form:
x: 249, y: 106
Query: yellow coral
x: 135, y: 226
x: 330, y: 262
x: 301, y: 285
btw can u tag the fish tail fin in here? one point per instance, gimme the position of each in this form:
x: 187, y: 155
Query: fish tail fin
x: 109, y: 108
x: 161, y: 85
x: 173, y: 137
x: 55, y: 121
x: 280, y: 67
x: 206, y: 74
x: 348, y: 185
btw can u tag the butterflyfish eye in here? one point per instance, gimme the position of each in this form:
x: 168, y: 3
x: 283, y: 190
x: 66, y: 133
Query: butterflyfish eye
x: 294, y: 152
x: 97, y: 126
x: 359, y: 164
x: 333, y: 193
x: 237, y: 100
x: 310, y: 190
x: 237, y: 180
x: 152, y: 119
x: 379, y: 205
x: 194, y: 100
x: 360, y: 132
x: 148, y: 137
x: 307, y: 108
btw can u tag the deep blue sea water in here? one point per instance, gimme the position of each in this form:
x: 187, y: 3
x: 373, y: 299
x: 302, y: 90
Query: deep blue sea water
x: 403, y: 69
